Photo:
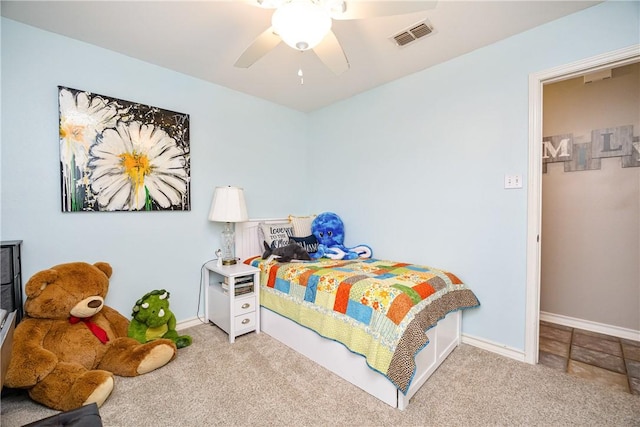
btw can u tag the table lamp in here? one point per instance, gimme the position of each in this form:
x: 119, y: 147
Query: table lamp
x: 228, y: 206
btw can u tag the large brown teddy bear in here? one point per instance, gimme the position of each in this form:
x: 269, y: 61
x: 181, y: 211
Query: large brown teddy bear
x: 70, y: 344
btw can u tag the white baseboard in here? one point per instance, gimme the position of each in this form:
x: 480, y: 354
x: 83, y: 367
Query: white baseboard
x: 493, y: 347
x: 188, y: 323
x: 587, y: 325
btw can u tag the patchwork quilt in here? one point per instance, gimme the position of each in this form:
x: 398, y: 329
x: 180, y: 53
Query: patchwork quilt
x: 376, y: 308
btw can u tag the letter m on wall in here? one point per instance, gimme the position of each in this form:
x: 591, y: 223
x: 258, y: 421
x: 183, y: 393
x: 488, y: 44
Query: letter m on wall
x: 557, y: 148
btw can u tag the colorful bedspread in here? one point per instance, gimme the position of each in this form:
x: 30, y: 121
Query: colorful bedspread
x: 379, y: 309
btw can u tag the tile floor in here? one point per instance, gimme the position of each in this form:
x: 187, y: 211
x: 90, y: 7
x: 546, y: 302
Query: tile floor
x: 608, y: 360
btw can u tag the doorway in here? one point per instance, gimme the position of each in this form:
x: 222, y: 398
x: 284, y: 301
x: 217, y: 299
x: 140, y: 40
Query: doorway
x: 534, y: 215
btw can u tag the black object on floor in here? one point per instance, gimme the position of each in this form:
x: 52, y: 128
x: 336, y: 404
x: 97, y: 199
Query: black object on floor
x: 85, y: 416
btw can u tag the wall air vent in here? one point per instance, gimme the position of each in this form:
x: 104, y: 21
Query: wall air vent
x: 413, y: 33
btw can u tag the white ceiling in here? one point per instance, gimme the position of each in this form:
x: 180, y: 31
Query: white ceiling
x: 204, y: 38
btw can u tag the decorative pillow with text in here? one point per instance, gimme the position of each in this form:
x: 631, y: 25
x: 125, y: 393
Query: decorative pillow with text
x: 276, y: 235
x: 309, y: 243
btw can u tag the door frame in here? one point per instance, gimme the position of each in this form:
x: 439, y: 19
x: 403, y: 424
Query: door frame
x: 612, y: 59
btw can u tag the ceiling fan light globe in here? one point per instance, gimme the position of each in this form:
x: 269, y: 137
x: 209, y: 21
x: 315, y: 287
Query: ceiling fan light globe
x: 301, y: 24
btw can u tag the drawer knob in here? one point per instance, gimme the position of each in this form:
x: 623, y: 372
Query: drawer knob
x: 245, y: 321
x: 246, y: 305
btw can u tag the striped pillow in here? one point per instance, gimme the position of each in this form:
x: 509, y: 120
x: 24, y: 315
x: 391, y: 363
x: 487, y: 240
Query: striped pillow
x: 301, y: 225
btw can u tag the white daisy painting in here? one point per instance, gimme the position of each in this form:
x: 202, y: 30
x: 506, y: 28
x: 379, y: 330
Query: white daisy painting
x: 119, y: 155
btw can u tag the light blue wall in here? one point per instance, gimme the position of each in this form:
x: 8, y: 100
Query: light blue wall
x: 415, y: 167
x: 235, y: 139
x: 422, y: 160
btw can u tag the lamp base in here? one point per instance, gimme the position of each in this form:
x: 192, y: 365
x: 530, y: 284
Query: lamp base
x: 228, y: 245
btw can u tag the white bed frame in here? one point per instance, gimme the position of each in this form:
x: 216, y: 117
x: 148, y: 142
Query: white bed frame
x: 444, y: 337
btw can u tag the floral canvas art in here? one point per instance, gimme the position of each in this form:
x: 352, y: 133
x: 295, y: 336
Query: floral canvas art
x: 119, y: 155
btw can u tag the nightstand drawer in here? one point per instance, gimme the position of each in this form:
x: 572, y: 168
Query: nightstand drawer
x: 245, y: 305
x: 245, y: 321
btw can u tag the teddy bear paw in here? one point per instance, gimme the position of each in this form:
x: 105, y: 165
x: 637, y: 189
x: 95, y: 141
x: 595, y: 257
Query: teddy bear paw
x: 159, y: 356
x: 101, y: 392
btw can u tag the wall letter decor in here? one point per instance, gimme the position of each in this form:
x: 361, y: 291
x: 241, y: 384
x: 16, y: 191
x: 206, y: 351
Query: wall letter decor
x: 557, y: 148
x: 580, y: 156
x: 633, y: 161
x: 612, y: 142
x: 582, y: 160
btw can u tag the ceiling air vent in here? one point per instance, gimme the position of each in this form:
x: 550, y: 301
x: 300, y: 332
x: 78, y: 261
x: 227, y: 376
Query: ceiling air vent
x: 412, y: 34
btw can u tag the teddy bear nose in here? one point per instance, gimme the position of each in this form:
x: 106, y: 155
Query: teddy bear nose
x: 95, y: 303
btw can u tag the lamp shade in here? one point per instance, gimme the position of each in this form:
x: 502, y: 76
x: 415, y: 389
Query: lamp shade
x: 302, y: 24
x: 228, y: 205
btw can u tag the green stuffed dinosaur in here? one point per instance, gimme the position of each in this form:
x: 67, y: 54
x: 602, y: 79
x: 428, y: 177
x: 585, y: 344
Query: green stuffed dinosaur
x: 152, y: 319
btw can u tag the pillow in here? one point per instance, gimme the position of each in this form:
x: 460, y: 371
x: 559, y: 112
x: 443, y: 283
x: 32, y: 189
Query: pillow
x: 309, y: 243
x: 301, y: 225
x: 276, y: 235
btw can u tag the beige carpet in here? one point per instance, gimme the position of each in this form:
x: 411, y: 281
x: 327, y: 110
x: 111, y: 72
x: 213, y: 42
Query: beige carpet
x: 258, y: 381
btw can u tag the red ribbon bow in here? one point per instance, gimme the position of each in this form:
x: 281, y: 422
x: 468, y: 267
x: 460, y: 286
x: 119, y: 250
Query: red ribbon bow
x: 97, y: 330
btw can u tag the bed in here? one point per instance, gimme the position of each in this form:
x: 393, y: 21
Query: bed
x: 390, y: 365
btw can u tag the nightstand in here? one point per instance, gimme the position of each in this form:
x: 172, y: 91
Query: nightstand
x: 232, y: 298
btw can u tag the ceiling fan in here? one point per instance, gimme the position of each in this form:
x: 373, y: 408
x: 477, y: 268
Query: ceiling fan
x: 306, y: 25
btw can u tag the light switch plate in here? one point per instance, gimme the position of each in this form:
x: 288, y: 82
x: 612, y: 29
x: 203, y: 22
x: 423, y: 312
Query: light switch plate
x: 513, y: 181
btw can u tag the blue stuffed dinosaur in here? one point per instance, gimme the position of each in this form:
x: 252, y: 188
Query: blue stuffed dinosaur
x: 328, y: 229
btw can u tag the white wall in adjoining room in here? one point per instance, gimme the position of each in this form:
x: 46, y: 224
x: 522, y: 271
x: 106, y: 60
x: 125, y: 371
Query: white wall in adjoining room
x: 235, y: 140
x: 591, y: 218
x: 419, y: 164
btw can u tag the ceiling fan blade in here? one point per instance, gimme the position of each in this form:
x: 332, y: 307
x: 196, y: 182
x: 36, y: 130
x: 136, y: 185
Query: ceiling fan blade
x: 356, y: 9
x: 265, y: 4
x: 269, y: 4
x: 331, y: 54
x: 260, y: 46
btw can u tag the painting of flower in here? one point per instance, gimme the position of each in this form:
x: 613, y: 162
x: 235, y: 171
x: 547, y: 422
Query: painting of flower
x: 121, y: 156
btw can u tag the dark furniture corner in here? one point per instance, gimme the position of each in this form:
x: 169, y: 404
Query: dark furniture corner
x: 11, y: 278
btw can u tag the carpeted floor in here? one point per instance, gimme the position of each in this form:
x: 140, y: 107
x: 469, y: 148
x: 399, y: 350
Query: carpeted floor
x: 258, y: 381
